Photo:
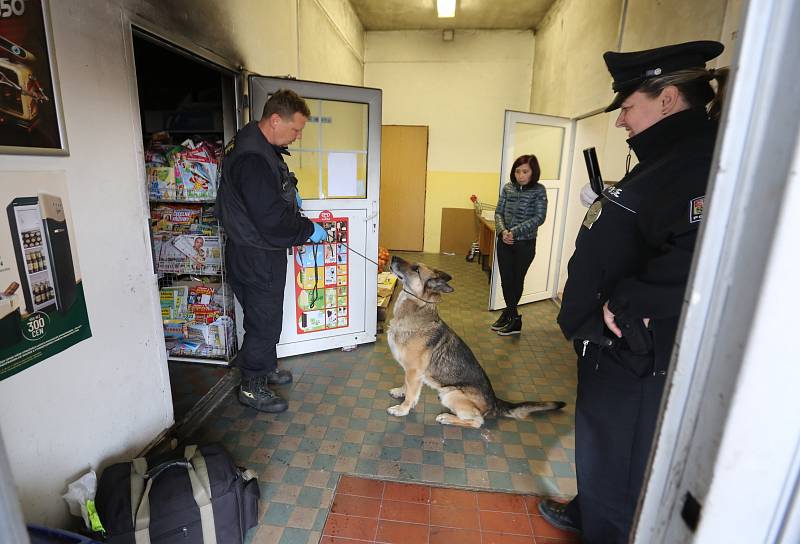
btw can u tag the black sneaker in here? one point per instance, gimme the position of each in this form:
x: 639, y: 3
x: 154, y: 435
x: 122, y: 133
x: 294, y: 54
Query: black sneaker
x: 279, y: 377
x: 502, y: 321
x: 555, y: 513
x: 254, y: 392
x: 514, y: 326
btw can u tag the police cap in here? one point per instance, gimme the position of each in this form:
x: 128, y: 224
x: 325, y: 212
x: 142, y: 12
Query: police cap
x: 631, y: 69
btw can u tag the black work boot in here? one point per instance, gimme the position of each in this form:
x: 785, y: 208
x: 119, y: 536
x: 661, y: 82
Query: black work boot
x: 514, y: 326
x: 502, y: 321
x: 279, y: 377
x: 556, y: 514
x: 254, y: 392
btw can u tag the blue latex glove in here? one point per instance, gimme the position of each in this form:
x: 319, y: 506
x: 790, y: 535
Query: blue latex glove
x: 319, y: 234
x: 298, y: 199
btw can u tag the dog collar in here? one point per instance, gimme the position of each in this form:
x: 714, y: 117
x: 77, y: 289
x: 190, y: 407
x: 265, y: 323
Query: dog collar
x: 416, y: 297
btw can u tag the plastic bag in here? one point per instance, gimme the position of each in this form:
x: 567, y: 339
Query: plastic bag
x: 79, y: 493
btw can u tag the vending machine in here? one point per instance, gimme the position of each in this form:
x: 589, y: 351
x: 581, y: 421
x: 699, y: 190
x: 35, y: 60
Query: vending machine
x: 42, y: 249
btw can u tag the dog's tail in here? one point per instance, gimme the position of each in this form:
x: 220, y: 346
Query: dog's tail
x: 521, y: 410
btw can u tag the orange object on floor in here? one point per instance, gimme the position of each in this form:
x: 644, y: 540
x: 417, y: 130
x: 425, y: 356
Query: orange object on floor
x: 373, y: 511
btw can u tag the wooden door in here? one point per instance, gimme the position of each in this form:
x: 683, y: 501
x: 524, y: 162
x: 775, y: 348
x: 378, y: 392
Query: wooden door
x: 404, y: 165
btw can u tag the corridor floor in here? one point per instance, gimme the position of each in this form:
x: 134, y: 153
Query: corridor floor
x: 337, y: 422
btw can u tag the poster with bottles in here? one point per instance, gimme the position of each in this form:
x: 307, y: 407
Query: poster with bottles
x: 42, y: 308
x: 321, y: 279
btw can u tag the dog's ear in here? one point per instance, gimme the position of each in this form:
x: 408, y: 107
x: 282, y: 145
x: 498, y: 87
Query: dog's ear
x: 443, y: 275
x: 439, y: 284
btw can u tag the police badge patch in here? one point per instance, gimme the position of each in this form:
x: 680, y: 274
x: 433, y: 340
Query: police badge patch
x: 593, y: 214
x: 696, y: 209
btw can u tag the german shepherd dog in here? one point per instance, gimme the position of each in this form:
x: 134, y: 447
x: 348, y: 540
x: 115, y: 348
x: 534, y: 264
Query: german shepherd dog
x: 431, y: 353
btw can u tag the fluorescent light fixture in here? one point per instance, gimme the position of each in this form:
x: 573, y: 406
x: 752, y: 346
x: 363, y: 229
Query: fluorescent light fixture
x: 445, y: 8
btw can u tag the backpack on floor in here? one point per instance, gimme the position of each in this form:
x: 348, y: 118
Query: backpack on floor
x: 200, y: 498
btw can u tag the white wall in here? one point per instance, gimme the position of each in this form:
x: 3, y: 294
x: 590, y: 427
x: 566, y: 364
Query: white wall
x: 460, y: 90
x: 107, y: 397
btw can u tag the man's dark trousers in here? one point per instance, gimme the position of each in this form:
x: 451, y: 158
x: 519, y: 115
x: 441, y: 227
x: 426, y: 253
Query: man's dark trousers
x: 258, y: 278
x: 615, y: 419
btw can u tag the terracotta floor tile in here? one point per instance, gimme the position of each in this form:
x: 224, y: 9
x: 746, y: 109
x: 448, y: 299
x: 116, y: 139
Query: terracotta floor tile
x: 350, y: 527
x: 505, y: 522
x: 501, y: 502
x: 458, y: 498
x: 574, y: 539
x: 356, y: 506
x: 336, y: 540
x: 447, y: 535
x: 544, y: 529
x: 532, y: 504
x: 407, y: 492
x: 408, y: 512
x: 362, y: 487
x: 391, y: 532
x: 460, y: 518
x: 499, y: 538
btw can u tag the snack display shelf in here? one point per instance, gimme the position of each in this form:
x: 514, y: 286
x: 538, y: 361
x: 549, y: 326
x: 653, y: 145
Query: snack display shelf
x: 182, y: 201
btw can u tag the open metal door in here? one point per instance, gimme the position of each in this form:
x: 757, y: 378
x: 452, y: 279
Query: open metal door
x: 550, y: 139
x: 331, y: 289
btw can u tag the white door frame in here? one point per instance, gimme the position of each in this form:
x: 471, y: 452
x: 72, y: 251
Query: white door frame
x: 565, y: 173
x: 729, y: 436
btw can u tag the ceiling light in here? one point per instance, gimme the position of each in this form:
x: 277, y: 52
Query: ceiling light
x: 446, y: 8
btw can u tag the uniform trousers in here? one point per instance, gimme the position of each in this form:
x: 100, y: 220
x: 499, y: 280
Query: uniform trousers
x: 615, y: 418
x: 513, y: 262
x: 258, y: 279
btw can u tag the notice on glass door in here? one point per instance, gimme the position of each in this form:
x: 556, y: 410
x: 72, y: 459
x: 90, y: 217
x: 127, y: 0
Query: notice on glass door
x: 42, y: 309
x: 321, y: 279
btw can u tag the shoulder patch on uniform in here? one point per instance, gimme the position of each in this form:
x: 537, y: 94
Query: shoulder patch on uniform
x: 229, y: 146
x: 696, y: 209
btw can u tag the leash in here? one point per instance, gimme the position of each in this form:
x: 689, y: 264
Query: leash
x: 330, y: 241
x: 416, y: 297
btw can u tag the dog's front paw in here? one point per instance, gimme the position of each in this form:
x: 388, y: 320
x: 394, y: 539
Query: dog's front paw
x: 397, y: 410
x: 397, y: 393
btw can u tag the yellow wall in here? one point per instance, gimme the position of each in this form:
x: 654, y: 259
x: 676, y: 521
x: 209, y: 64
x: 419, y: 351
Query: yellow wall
x: 460, y: 90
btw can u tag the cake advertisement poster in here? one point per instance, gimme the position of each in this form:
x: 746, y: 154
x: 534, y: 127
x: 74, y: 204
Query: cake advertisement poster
x: 321, y: 274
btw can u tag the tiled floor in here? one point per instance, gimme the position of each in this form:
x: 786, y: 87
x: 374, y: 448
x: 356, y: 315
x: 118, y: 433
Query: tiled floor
x: 372, y: 511
x: 189, y: 382
x: 337, y: 422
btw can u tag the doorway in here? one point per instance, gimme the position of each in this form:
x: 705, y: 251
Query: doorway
x: 404, y: 167
x: 187, y: 111
x: 550, y: 139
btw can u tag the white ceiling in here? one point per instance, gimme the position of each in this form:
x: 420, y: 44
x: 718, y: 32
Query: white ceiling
x: 421, y: 14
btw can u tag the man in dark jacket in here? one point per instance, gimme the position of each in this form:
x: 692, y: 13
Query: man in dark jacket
x: 627, y: 277
x: 259, y: 208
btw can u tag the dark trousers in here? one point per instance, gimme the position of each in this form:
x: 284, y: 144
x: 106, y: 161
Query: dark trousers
x: 513, y: 261
x: 615, y: 419
x: 258, y: 278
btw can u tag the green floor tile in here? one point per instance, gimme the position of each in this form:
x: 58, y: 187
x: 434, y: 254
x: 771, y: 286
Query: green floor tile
x: 292, y: 535
x: 310, y: 497
x: 278, y: 514
x: 456, y: 476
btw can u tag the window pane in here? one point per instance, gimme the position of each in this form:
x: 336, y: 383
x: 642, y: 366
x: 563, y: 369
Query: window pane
x: 344, y: 174
x: 305, y: 165
x: 543, y: 141
x: 344, y: 126
x: 311, y: 134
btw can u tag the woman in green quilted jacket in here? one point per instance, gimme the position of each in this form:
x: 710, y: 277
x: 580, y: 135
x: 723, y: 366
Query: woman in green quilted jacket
x: 521, y: 208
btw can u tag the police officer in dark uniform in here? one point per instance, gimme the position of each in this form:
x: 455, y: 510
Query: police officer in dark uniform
x: 259, y: 207
x: 628, y: 275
